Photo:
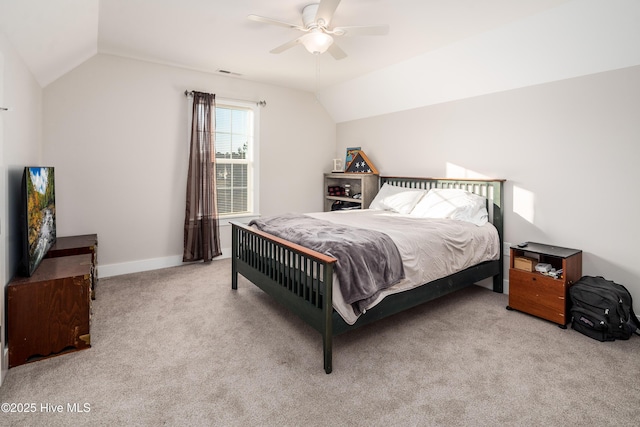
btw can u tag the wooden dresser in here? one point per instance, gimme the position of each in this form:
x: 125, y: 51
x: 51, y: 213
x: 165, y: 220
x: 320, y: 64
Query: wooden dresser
x: 49, y: 313
x: 78, y: 245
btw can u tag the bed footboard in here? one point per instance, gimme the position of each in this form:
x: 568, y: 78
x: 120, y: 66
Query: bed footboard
x: 297, y: 277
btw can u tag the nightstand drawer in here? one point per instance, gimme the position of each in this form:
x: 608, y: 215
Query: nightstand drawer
x: 539, y: 295
x: 536, y: 281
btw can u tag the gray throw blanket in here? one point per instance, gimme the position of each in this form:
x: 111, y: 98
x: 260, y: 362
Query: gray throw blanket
x: 367, y: 261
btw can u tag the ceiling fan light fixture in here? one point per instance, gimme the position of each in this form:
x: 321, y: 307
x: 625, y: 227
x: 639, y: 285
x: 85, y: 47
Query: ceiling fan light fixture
x: 316, y: 41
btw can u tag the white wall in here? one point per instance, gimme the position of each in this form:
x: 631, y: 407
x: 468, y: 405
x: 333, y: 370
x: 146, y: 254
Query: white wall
x: 568, y: 149
x: 116, y: 130
x: 20, y: 142
x: 577, y: 38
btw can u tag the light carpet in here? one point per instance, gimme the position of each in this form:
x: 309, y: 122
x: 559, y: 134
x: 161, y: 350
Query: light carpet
x: 178, y: 347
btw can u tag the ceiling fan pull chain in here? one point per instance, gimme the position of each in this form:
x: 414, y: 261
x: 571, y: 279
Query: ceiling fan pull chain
x: 317, y: 55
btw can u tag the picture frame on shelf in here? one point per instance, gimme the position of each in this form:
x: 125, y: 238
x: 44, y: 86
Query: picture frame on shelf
x: 350, y: 155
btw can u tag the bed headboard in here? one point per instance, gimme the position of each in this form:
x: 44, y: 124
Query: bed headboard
x: 491, y: 189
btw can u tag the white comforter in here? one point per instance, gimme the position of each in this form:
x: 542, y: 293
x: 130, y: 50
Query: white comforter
x: 430, y: 248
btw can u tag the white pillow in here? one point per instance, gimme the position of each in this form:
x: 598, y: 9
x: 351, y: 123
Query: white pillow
x: 396, y: 199
x: 452, y: 203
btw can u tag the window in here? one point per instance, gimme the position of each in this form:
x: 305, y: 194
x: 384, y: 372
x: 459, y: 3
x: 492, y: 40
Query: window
x: 235, y: 154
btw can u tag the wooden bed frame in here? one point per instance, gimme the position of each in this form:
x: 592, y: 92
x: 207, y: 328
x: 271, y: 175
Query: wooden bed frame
x: 301, y: 279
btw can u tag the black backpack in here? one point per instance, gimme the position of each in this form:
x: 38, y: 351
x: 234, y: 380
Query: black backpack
x: 602, y: 309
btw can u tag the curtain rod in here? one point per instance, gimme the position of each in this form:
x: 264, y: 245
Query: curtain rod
x: 261, y: 103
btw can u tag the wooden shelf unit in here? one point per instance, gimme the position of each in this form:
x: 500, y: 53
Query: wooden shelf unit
x: 365, y: 184
x: 542, y: 295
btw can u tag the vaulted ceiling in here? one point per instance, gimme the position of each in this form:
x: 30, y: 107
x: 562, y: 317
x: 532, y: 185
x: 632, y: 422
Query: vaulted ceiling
x: 54, y: 36
x: 435, y: 50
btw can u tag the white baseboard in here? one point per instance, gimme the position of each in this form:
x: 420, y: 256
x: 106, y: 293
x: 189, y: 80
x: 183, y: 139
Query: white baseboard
x: 147, y: 265
x: 4, y: 364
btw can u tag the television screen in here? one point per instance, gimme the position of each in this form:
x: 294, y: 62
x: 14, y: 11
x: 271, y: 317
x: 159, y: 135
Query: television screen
x: 40, y: 215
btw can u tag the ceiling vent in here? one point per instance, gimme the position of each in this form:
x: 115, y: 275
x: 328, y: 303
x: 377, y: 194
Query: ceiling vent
x: 228, y: 73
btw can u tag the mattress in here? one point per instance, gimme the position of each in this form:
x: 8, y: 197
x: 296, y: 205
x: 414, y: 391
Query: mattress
x: 430, y: 248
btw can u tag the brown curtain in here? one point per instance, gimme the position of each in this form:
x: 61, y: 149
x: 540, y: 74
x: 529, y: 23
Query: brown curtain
x: 201, y: 233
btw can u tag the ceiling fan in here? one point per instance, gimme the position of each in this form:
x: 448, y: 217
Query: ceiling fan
x: 319, y: 37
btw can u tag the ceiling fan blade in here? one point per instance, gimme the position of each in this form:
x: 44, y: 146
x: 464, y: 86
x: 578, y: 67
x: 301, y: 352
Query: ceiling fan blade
x: 370, y: 30
x: 336, y: 52
x: 262, y: 19
x: 287, y: 45
x: 326, y: 9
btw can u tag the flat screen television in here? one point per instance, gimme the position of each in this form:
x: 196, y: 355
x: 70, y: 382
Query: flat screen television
x: 38, y: 190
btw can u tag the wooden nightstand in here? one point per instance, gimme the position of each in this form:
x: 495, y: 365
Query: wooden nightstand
x: 538, y: 294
